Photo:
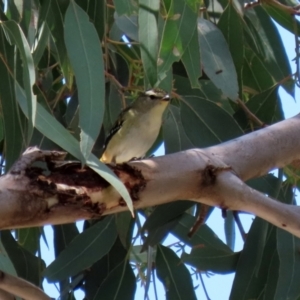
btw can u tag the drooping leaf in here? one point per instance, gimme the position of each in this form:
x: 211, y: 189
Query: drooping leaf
x: 177, y: 32
x: 82, y: 41
x: 191, y: 60
x: 126, y: 7
x: 111, y: 276
x: 211, y: 260
x: 282, y: 14
x: 55, y: 22
x: 27, y: 265
x: 125, y: 225
x: 174, y: 275
x: 247, y: 283
x: 231, y: 25
x: 17, y: 37
x: 148, y: 38
x: 256, y: 75
x: 204, y: 122
x: 128, y: 25
x: 265, y: 106
x: 216, y: 59
x: 29, y: 238
x: 13, y: 120
x: 289, y: 266
x: 120, y: 284
x: 83, y: 251
x: 203, y: 237
x: 175, y: 138
x: 272, y: 50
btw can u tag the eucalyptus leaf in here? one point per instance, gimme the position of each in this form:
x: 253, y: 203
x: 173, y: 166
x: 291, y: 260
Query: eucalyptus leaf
x: 148, y: 38
x: 82, y: 41
x: 83, y: 251
x: 216, y: 59
x: 174, y: 275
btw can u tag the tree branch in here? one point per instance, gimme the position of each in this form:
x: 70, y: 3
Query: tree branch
x: 20, y: 287
x: 62, y: 192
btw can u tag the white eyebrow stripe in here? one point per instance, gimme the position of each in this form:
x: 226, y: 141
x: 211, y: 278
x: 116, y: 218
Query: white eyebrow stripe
x: 150, y: 93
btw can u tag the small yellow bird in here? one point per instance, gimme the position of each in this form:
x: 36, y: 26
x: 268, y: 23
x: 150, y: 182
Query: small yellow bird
x: 137, y: 128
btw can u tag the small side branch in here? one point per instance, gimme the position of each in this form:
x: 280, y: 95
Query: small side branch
x: 20, y: 288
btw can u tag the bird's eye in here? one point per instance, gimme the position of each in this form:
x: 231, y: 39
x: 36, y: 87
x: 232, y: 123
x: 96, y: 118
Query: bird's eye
x: 152, y: 97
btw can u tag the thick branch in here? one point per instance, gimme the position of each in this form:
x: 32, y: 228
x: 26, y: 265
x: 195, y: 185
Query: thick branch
x: 257, y: 153
x: 212, y: 176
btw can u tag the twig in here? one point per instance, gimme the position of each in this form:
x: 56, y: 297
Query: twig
x: 113, y: 78
x: 249, y: 114
x: 203, y: 285
x: 239, y: 224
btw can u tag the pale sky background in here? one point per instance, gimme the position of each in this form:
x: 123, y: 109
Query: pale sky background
x: 214, y: 283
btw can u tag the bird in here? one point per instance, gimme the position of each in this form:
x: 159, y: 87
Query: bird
x: 136, y: 128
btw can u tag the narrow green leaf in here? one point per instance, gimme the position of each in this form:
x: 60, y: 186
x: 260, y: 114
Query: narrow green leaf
x: 158, y: 234
x: 165, y: 213
x: 213, y: 260
x: 97, y: 10
x: 287, y: 287
x: 17, y: 37
x: 177, y: 32
x: 102, y: 269
x: 207, y: 91
x: 210, y: 121
x: 203, y: 237
x: 27, y: 265
x: 266, y: 106
x: 231, y: 25
x: 128, y: 25
x: 175, y: 139
x: 216, y: 59
x: 84, y: 250
x: 6, y: 264
x: 125, y: 225
x: 273, y: 51
x: 256, y: 75
x: 55, y: 23
x: 13, y: 119
x: 247, y: 282
x: 148, y: 38
x: 272, y: 278
x: 50, y: 127
x: 137, y: 255
x: 289, y: 266
x: 191, y: 60
x: 82, y: 41
x: 126, y: 7
x: 29, y: 238
x: 63, y: 235
x: 14, y: 11
x: 120, y: 284
x: 105, y: 172
x: 43, y: 40
x: 282, y: 15
x: 174, y: 275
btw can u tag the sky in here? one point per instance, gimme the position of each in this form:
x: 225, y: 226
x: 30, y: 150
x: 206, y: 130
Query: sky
x: 215, y: 221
